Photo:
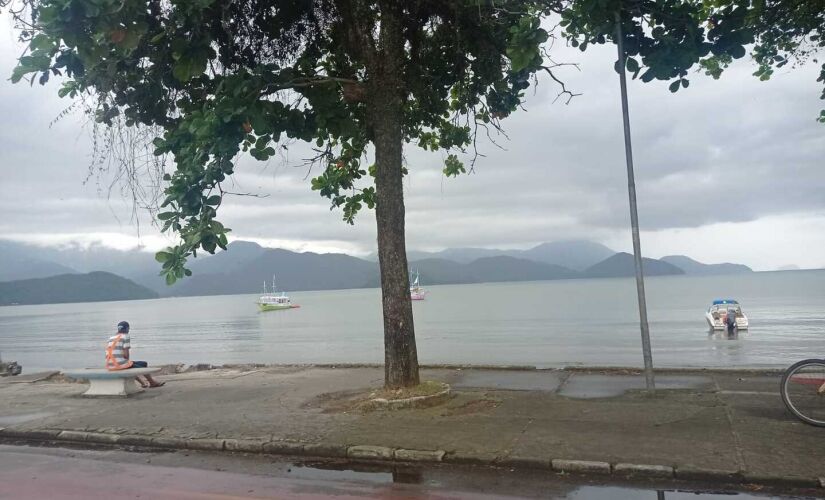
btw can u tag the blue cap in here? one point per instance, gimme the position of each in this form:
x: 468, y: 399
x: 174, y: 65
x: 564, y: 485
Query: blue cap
x: 123, y: 327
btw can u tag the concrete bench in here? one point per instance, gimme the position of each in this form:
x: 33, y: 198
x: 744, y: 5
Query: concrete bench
x: 103, y: 382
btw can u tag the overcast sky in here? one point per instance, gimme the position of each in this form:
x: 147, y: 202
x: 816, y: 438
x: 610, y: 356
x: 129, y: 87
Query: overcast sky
x: 729, y: 170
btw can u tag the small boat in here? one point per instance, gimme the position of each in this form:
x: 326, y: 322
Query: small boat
x: 274, y: 301
x: 718, y: 312
x: 416, y: 292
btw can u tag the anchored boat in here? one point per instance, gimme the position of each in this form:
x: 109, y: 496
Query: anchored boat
x: 416, y: 291
x: 273, y: 300
x: 718, y: 312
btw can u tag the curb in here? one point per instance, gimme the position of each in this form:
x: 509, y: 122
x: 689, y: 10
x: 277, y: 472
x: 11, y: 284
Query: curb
x: 642, y: 470
x: 415, y: 401
x: 580, y: 466
x: 387, y: 454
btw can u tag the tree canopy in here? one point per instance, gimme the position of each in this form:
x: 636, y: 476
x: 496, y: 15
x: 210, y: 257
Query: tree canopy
x: 664, y: 39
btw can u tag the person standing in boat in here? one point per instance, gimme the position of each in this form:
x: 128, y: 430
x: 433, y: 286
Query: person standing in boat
x: 730, y: 320
x: 117, y: 355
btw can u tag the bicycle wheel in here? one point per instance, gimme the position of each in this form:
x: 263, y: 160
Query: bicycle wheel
x: 803, y: 391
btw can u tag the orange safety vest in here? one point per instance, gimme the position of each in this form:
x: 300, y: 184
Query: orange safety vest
x: 111, y: 361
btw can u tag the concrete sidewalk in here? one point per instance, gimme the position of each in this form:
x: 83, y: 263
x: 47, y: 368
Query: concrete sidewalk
x: 725, y: 426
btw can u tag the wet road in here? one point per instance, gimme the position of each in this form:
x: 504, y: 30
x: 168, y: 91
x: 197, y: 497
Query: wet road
x: 57, y: 473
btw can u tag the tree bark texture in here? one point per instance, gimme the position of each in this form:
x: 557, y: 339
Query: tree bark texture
x: 385, y: 116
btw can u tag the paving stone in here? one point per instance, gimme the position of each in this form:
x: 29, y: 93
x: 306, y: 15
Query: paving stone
x: 244, y: 445
x: 370, y: 452
x: 325, y: 450
x: 580, y: 466
x: 643, y: 470
x: 205, y: 444
x: 283, y: 448
x: 419, y: 455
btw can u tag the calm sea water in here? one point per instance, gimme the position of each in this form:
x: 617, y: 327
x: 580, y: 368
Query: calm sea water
x: 547, y: 324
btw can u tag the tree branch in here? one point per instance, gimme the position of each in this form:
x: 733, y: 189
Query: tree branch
x: 306, y: 82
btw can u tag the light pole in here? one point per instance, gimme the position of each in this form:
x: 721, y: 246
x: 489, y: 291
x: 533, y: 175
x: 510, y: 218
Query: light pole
x: 634, y: 216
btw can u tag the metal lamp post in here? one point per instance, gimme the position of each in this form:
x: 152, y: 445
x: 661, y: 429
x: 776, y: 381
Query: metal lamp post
x: 634, y: 216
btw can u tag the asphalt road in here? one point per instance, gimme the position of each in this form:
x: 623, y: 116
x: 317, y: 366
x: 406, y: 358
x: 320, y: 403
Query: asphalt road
x: 60, y: 473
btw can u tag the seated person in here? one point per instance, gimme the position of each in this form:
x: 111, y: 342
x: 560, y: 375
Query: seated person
x: 117, y: 356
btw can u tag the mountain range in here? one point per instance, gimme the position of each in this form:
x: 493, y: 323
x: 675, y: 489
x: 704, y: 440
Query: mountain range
x: 577, y: 255
x: 246, y: 265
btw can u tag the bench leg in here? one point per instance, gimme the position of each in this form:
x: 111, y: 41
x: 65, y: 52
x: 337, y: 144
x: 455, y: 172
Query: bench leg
x: 112, y: 387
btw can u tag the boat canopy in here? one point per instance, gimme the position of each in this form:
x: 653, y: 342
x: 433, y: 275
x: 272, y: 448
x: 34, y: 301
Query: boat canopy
x: 724, y: 301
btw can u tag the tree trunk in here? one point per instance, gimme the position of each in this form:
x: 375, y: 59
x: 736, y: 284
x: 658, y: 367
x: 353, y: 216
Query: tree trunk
x: 384, y: 113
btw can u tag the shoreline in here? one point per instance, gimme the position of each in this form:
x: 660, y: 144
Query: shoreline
x: 178, y: 368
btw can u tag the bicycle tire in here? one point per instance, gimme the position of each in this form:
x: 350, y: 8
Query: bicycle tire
x: 789, y: 401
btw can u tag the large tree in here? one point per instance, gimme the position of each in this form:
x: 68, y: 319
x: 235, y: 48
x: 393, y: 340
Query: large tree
x: 357, y: 78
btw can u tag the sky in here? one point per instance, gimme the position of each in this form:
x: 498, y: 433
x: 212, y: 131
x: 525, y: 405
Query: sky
x: 726, y: 171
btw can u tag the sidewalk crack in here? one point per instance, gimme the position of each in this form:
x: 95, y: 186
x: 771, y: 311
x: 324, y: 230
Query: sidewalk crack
x: 563, y: 382
x: 737, y: 442
x: 516, y: 440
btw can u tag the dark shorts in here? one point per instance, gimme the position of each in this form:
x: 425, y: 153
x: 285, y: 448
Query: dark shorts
x: 139, y: 364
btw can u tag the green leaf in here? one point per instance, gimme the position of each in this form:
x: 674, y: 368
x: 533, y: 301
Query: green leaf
x: 213, y: 200
x: 453, y: 166
x: 42, y: 42
x: 188, y: 67
x: 19, y: 72
x: 170, y: 278
x: 163, y: 256
x: 674, y: 86
x: 632, y: 65
x: 737, y: 52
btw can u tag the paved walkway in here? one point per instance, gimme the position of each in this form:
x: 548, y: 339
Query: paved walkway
x: 731, y: 422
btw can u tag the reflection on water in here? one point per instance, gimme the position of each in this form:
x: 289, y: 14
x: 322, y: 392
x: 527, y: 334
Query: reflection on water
x: 553, y: 323
x: 513, y: 483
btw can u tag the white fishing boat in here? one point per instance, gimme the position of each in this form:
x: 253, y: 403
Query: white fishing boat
x: 272, y: 300
x: 416, y: 291
x: 718, y: 312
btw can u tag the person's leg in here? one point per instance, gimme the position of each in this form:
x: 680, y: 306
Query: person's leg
x: 153, y: 382
x: 145, y: 381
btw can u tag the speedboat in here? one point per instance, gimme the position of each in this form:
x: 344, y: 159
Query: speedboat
x: 718, y: 312
x: 274, y: 301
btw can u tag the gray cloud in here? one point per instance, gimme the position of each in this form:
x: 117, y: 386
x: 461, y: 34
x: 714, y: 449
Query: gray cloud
x: 728, y: 151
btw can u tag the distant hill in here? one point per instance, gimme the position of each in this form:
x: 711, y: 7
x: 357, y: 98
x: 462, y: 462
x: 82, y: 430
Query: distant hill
x: 690, y: 266
x: 574, y: 254
x: 460, y: 255
x: 17, y: 264
x: 92, y: 287
x: 32, y: 261
x: 504, y: 268
x: 223, y: 273
x: 487, y: 270
x: 621, y: 265
x: 441, y: 272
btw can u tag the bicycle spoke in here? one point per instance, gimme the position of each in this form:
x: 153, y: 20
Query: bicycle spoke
x: 803, y: 391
